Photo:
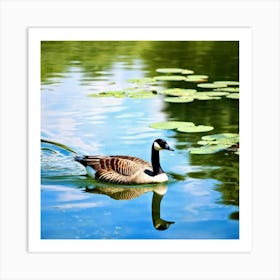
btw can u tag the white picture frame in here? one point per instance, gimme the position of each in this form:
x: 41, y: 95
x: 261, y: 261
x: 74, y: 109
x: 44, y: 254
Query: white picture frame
x: 243, y: 35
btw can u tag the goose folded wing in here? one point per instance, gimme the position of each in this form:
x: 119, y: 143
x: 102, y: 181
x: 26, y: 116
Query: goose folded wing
x: 124, y: 165
x: 119, y: 171
x: 116, y: 169
x: 136, y: 160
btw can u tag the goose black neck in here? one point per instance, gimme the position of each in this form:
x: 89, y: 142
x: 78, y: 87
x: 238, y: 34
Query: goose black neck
x: 155, y: 162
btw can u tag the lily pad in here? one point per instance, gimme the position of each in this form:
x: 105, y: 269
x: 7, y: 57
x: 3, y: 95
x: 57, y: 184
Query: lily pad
x: 200, y: 93
x: 170, y: 70
x: 192, y: 129
x: 228, y: 89
x: 132, y: 93
x: 141, y: 94
x: 196, y: 78
x: 179, y: 92
x: 204, y: 142
x: 221, y: 137
x: 170, y: 124
x: 187, y: 72
x: 216, y: 142
x: 211, y: 85
x: 217, y: 93
x: 113, y: 93
x: 206, y: 97
x: 170, y: 78
x: 142, y: 81
x: 228, y: 83
x: 181, y: 99
x: 233, y: 96
x: 208, y: 149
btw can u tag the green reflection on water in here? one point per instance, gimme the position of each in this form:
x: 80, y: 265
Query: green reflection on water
x: 57, y: 56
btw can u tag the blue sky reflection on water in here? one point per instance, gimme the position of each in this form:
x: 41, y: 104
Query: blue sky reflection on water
x: 201, y: 195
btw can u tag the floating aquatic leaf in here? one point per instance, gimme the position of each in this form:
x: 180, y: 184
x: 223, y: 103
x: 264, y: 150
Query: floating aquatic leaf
x: 113, y: 93
x: 144, y: 87
x: 208, y: 149
x: 181, y: 99
x: 187, y: 127
x: 133, y: 93
x: 211, y: 85
x: 187, y: 72
x: 219, y: 136
x: 200, y: 93
x: 170, y: 70
x: 140, y: 94
x: 228, y: 89
x: 228, y: 83
x: 192, y: 129
x: 170, y: 78
x: 215, y: 143
x: 142, y: 81
x: 206, y: 97
x: 197, y: 78
x: 170, y: 124
x: 204, y: 142
x: 217, y: 93
x: 222, y: 138
x: 179, y: 92
x: 233, y: 96
x: 202, y: 150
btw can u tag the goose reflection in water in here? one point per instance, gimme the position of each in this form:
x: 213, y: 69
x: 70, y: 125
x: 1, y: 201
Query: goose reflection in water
x: 129, y: 193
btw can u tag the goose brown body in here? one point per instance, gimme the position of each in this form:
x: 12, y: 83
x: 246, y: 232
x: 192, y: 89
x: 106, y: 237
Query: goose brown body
x: 126, y: 169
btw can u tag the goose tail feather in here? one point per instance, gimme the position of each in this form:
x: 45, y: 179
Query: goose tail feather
x: 80, y: 159
x: 87, y: 160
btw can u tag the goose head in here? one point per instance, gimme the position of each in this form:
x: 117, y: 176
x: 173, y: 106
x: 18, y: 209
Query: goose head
x: 158, y: 145
x: 161, y: 144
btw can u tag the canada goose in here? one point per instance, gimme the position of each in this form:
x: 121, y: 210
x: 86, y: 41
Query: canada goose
x: 127, y: 169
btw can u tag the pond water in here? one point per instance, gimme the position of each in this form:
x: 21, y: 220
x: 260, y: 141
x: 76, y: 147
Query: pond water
x: 201, y: 198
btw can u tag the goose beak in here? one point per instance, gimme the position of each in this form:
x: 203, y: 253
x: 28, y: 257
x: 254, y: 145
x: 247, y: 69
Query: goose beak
x: 167, y: 147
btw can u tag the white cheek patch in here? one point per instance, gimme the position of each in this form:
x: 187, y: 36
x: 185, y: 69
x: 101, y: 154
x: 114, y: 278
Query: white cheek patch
x: 157, y: 147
